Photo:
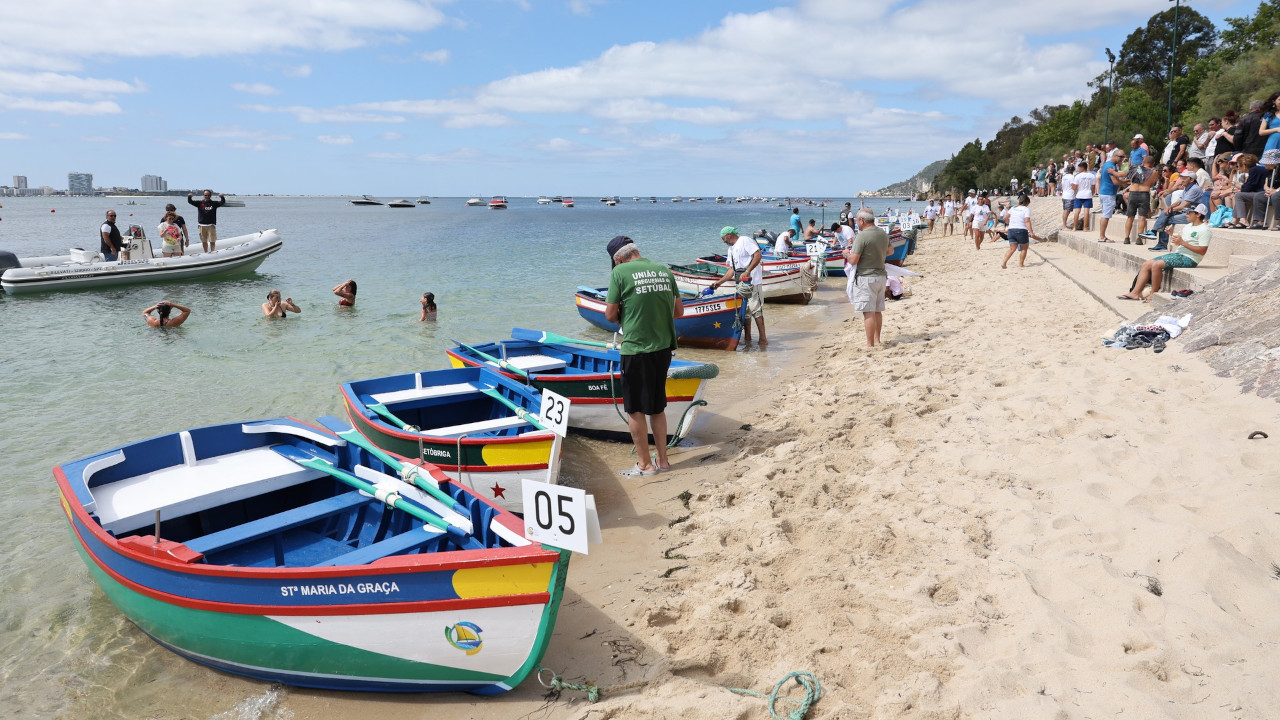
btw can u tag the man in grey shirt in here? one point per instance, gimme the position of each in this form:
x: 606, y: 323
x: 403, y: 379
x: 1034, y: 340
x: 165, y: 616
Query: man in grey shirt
x: 864, y: 266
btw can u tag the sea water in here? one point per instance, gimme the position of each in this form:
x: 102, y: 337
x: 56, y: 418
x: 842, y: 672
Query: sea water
x: 81, y: 372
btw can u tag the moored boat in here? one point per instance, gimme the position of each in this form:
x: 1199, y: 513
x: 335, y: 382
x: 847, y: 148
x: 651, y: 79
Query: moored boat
x: 87, y: 269
x: 591, y: 378
x: 711, y: 322
x: 566, y: 201
x: 455, y: 420
x: 288, y: 553
x: 366, y: 200
x: 784, y: 286
x: 544, y: 200
x: 475, y: 201
x: 402, y: 204
x: 498, y: 202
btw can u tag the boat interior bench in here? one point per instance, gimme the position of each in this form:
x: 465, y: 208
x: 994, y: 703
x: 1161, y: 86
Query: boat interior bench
x: 394, y: 545
x: 194, y: 486
x: 473, y: 428
x: 532, y: 363
x: 277, y: 524
x: 425, y: 393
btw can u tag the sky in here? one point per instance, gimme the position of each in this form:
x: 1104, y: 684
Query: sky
x: 413, y: 98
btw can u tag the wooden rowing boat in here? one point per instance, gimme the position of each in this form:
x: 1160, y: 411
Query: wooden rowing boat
x: 251, y: 548
x: 711, y: 322
x: 784, y: 286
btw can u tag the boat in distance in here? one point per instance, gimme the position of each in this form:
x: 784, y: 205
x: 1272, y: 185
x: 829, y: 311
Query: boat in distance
x: 402, y: 204
x: 498, y: 202
x: 367, y: 200
x: 82, y: 268
x: 475, y: 201
x: 293, y: 553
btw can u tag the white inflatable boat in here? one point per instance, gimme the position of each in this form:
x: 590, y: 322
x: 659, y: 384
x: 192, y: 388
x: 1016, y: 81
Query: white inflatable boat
x: 138, y: 263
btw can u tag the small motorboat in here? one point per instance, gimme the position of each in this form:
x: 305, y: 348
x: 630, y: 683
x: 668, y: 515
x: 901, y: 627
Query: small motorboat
x: 138, y: 263
x: 402, y: 204
x: 544, y: 200
x: 303, y: 555
x: 591, y: 378
x: 677, y: 199
x: 711, y: 323
x: 423, y: 201
x: 610, y: 202
x: 475, y: 201
x: 476, y: 425
x: 366, y: 200
x: 498, y: 202
x: 783, y: 286
x: 566, y: 201
x: 653, y: 200
x: 557, y: 199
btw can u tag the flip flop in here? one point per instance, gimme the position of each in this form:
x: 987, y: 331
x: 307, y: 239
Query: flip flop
x: 1106, y: 241
x: 635, y: 471
x: 1125, y: 297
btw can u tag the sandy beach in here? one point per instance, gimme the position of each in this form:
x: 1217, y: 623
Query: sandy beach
x: 992, y: 516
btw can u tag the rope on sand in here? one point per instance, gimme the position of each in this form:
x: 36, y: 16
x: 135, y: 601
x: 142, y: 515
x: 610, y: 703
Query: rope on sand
x: 558, y: 684
x: 806, y: 680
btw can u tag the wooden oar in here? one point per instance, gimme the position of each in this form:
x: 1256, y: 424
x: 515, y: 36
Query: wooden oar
x: 407, y: 471
x: 543, y: 336
x: 520, y: 412
x: 386, y: 414
x: 499, y: 362
x: 391, y: 499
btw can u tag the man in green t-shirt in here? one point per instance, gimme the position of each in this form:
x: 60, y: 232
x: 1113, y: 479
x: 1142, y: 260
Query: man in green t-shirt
x: 864, y: 266
x: 643, y: 299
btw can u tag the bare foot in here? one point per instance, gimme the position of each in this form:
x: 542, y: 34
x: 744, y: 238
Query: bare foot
x: 1002, y: 267
x: 762, y: 343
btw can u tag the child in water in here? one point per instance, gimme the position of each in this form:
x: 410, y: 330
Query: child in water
x: 428, y: 307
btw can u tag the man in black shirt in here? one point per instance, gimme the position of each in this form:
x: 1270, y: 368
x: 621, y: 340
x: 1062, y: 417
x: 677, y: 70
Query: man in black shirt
x: 110, y: 242
x: 1247, y: 139
x: 207, y: 218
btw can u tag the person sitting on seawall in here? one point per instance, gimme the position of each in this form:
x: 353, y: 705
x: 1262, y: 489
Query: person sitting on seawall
x: 428, y: 308
x: 1191, y: 249
x: 161, y: 317
x: 346, y: 293
x: 1252, y: 194
x: 274, y: 307
x: 170, y: 235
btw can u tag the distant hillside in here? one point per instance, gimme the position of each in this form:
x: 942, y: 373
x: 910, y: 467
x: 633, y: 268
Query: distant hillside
x: 921, y: 182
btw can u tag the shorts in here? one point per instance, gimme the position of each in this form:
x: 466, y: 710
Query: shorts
x: 1108, y: 205
x: 1018, y: 236
x: 866, y: 292
x: 1068, y: 204
x: 1177, y: 260
x: 170, y: 248
x: 208, y: 234
x: 110, y: 257
x: 1086, y: 203
x: 644, y: 382
x: 1139, y: 204
x: 753, y: 296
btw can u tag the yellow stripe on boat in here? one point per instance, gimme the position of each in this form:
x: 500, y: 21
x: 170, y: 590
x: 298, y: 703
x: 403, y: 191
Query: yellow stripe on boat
x: 455, y: 362
x: 685, y: 387
x: 534, y: 452
x: 502, y: 580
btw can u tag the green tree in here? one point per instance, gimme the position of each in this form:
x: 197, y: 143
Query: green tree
x: 1056, y: 133
x: 1146, y: 53
x: 1232, y: 86
x: 963, y: 169
x: 1243, y: 35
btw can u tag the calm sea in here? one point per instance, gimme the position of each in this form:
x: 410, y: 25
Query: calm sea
x: 81, y: 372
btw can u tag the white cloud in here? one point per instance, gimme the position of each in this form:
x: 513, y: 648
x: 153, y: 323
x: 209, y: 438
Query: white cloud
x: 186, y: 144
x: 97, y: 139
x: 557, y: 145
x: 306, y: 114
x: 255, y: 88
x: 583, y: 7
x: 390, y: 136
x: 298, y: 71
x: 440, y: 57
x: 235, y: 132
x: 48, y: 83
x: 13, y: 136
x: 336, y: 139
x: 471, y: 120
x: 255, y: 147
x: 387, y: 156
x: 63, y: 107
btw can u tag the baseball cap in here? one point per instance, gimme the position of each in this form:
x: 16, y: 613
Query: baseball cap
x: 1201, y: 210
x: 728, y: 230
x: 615, y: 245
x: 973, y: 192
x: 1138, y: 136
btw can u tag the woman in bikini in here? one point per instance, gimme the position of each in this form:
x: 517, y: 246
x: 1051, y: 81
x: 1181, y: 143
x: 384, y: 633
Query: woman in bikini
x: 346, y: 293
x: 274, y: 307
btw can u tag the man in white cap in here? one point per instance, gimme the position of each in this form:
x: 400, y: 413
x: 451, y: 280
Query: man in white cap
x: 1137, y: 152
x: 744, y: 267
x: 1192, y: 245
x: 966, y: 220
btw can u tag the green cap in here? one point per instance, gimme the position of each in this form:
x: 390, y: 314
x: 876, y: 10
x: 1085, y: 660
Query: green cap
x: 728, y: 230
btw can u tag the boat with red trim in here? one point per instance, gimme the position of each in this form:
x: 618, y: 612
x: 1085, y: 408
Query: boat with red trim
x: 292, y: 553
x: 475, y: 424
x: 793, y: 285
x: 712, y: 323
x: 590, y: 378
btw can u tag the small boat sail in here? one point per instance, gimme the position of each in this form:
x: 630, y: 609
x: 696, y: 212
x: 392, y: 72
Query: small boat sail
x: 298, y: 554
x: 476, y: 425
x: 590, y: 377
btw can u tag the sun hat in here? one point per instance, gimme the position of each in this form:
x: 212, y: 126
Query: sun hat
x: 728, y: 230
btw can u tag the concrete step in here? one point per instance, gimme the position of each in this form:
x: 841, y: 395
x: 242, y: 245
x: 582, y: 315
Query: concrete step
x: 1238, y: 261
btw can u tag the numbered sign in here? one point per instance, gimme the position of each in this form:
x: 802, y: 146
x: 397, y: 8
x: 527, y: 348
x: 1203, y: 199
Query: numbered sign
x: 558, y: 516
x: 555, y: 412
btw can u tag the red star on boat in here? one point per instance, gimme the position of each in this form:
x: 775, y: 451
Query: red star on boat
x: 498, y: 490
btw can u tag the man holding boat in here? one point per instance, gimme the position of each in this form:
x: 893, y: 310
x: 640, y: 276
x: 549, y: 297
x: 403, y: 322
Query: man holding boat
x: 643, y: 300
x: 744, y: 267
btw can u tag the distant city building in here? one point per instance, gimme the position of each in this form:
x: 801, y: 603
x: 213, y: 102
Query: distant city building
x: 20, y: 182
x: 79, y: 183
x: 154, y: 183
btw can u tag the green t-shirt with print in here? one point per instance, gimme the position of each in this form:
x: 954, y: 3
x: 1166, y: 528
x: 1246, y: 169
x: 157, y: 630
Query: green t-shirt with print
x: 646, y: 294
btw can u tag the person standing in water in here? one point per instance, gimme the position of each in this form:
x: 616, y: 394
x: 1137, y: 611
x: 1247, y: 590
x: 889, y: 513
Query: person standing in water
x: 162, y: 318
x: 346, y: 293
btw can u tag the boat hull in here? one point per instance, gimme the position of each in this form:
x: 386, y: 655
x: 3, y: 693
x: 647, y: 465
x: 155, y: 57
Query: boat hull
x: 711, y: 324
x: 475, y: 620
x: 793, y: 286
x: 237, y: 256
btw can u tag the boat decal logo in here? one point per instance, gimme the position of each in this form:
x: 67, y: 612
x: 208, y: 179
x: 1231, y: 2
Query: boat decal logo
x: 464, y: 636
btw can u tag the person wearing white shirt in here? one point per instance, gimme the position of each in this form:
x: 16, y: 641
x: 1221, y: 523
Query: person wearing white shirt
x: 1020, y: 232
x: 948, y: 216
x: 744, y: 267
x: 969, y: 204
x: 1083, y: 182
x: 782, y: 246
x: 981, y: 211
x: 1068, y: 192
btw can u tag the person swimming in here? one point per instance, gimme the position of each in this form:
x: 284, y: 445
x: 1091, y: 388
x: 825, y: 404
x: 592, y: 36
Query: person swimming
x: 162, y: 318
x: 346, y: 293
x: 276, y: 308
x: 428, y: 307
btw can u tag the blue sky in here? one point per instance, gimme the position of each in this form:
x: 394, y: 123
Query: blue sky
x: 523, y: 97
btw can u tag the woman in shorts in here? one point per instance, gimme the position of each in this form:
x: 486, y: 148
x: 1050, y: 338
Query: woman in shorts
x: 1020, y: 232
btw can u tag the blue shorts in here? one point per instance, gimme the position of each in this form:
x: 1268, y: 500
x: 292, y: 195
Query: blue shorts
x: 1177, y: 260
x: 1086, y: 203
x: 1019, y: 237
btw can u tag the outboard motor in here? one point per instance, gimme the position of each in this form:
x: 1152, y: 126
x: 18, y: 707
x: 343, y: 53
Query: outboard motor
x: 136, y: 247
x: 8, y: 260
